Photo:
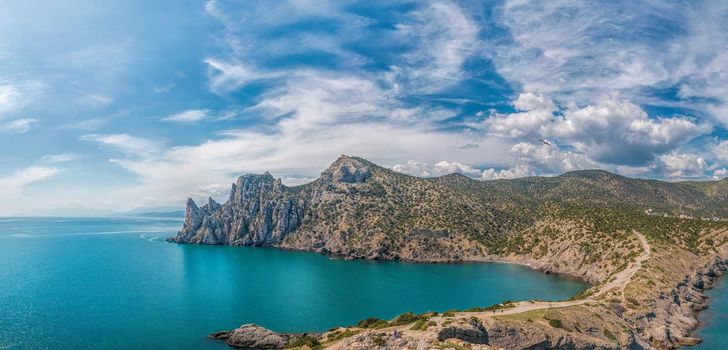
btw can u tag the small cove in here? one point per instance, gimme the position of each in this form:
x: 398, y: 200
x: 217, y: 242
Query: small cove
x: 114, y: 283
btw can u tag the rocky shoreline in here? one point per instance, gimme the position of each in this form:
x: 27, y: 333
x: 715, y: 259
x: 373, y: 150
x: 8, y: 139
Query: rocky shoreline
x: 471, y: 329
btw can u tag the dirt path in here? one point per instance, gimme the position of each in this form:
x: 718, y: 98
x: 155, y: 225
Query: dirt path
x: 618, y: 282
x: 621, y: 279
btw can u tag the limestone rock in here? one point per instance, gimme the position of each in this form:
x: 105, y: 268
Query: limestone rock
x: 471, y: 332
x: 250, y: 336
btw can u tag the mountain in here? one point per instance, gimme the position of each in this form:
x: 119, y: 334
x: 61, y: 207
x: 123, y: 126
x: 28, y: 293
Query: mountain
x: 650, y: 248
x: 360, y: 210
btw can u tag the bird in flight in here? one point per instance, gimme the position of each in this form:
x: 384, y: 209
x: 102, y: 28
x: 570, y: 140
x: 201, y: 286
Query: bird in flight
x: 545, y: 142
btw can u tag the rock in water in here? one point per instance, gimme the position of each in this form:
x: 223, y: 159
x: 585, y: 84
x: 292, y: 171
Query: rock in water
x: 251, y: 336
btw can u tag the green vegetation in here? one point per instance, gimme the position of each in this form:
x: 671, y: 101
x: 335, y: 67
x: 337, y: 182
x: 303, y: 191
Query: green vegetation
x: 373, y: 323
x: 609, y: 335
x: 409, y: 317
x: 556, y: 323
x: 306, y: 340
x: 338, y: 335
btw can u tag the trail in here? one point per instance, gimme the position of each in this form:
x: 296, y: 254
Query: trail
x: 618, y: 282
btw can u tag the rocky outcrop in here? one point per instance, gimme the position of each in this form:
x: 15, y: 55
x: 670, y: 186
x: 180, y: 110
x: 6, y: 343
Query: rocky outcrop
x: 470, y: 331
x: 250, y: 336
x: 260, y: 212
x: 513, y: 335
x: 673, y: 314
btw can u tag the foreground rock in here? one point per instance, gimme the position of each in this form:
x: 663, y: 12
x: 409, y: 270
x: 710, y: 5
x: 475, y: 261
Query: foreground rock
x: 250, y: 336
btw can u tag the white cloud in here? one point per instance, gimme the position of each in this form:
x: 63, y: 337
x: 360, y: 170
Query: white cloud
x: 609, y: 131
x: 18, y: 126
x: 520, y: 170
x: 88, y: 124
x: 721, y: 173
x: 720, y: 151
x: 13, y: 184
x: 425, y: 169
x: 226, y: 77
x: 17, y: 94
x: 58, y: 158
x: 529, y: 101
x: 683, y: 165
x: 445, y: 38
x: 520, y: 125
x: 188, y: 116
x: 9, y: 97
x: 15, y: 187
x: 129, y: 145
x: 576, y: 50
x: 619, y: 132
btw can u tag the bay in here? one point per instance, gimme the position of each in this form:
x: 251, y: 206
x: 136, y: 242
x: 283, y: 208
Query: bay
x: 114, y: 283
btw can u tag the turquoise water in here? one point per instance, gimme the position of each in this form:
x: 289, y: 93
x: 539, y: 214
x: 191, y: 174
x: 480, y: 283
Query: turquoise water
x: 116, y: 284
x: 715, y: 319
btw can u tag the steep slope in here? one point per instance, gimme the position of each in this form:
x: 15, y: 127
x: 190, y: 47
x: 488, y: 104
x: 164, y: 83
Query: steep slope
x: 360, y: 210
x: 355, y: 209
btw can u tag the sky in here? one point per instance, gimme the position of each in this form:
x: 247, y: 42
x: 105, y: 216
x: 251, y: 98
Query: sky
x: 107, y: 106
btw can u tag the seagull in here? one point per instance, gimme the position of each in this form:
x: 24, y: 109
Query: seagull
x: 545, y: 142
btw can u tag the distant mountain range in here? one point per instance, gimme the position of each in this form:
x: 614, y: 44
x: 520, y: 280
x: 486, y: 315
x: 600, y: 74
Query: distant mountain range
x: 155, y: 212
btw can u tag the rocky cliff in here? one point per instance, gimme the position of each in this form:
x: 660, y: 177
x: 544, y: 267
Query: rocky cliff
x: 354, y: 209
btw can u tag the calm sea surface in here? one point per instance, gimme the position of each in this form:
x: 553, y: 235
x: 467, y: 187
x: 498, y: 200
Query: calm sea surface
x: 114, y: 283
x: 715, y: 319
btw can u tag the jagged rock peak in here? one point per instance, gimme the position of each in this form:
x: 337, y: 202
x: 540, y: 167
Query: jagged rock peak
x: 347, y: 170
x: 266, y: 176
x: 191, y: 204
x: 212, y: 205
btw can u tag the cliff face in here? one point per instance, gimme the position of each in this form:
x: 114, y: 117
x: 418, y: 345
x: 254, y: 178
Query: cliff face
x: 260, y: 211
x: 360, y: 210
x: 355, y: 209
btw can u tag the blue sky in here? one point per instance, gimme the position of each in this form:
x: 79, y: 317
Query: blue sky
x: 111, y: 105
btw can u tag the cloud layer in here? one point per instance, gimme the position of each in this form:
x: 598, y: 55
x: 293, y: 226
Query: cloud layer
x: 129, y: 117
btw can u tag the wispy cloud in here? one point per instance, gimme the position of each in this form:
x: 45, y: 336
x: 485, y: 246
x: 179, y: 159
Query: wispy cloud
x: 17, y: 94
x: 575, y: 50
x: 188, y: 116
x: 21, y: 178
x: 58, y: 158
x: 126, y: 144
x: 18, y: 126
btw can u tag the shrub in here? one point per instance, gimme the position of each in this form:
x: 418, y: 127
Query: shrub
x: 338, y: 335
x: 372, y: 322
x: 305, y: 340
x: 420, y: 325
x: 556, y: 323
x: 408, y: 318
